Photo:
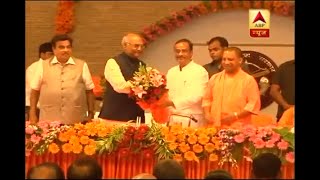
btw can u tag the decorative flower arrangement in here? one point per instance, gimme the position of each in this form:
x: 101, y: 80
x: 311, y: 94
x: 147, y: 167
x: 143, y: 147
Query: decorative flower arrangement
x: 42, y: 136
x: 130, y: 139
x: 64, y: 20
x: 181, y: 144
x: 180, y: 18
x: 148, y: 87
x: 191, y: 144
x: 253, y: 141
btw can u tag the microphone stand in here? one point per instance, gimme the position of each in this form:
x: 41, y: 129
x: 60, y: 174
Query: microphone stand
x: 187, y: 116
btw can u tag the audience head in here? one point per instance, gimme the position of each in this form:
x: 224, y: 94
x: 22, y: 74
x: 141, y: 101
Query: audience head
x: 183, y: 50
x: 231, y: 59
x: 133, y: 44
x: 62, y: 47
x: 168, y: 169
x: 45, y: 51
x: 47, y: 170
x: 144, y: 176
x: 266, y: 165
x: 216, y: 46
x: 84, y: 167
x: 218, y: 174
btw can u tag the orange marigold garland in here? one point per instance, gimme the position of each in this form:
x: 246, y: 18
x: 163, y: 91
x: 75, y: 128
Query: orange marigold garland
x: 65, y: 17
x: 180, y: 18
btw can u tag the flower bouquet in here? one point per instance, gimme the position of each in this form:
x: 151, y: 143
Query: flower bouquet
x: 99, y: 86
x: 148, y: 88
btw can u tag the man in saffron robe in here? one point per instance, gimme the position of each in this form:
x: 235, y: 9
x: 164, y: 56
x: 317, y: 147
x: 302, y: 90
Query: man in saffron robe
x: 232, y: 95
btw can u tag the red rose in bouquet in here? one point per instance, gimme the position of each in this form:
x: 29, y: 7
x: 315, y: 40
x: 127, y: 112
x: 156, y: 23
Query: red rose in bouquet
x: 148, y: 88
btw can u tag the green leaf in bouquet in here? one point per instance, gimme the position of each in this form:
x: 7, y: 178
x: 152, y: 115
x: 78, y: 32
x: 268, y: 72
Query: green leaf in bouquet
x: 289, y: 138
x: 237, y: 151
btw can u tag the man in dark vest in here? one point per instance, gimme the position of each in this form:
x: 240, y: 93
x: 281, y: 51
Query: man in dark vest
x: 118, y: 71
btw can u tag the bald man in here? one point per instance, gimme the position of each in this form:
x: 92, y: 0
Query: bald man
x: 118, y: 71
x: 47, y: 170
x: 144, y: 176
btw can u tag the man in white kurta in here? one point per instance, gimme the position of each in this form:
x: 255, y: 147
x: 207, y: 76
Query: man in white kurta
x: 186, y: 83
x: 45, y: 52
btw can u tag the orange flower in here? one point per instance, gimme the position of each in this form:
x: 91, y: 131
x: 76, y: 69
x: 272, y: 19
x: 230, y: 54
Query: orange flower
x: 78, y: 126
x: 82, y: 133
x: 103, y: 132
x: 209, y: 147
x: 84, y: 140
x: 201, y: 131
x: 190, y: 131
x: 77, y: 148
x: 267, y: 4
x: 184, y: 147
x: 177, y: 157
x: 173, y: 146
x: 213, y: 157
x: 214, y: 5
x: 215, y: 140
x: 236, y: 4
x: 63, y: 137
x: 190, y: 156
x: 225, y: 4
x: 203, y: 139
x: 164, y: 130
x: 211, y: 131
x: 92, y: 131
x: 197, y: 148
x: 71, y: 132
x: 257, y: 4
x: 176, y: 129
x: 170, y: 138
x: 181, y: 137
x: 54, y: 148
x: 192, y: 139
x: 74, y: 140
x: 66, y: 148
x: 91, y: 142
x: 246, y: 4
x: 89, y: 149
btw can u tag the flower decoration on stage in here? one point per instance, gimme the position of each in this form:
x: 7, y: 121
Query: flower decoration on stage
x: 128, y: 140
x: 148, y: 87
x: 180, y: 18
x: 41, y: 136
x: 175, y: 142
x: 253, y: 141
x: 191, y: 144
x: 64, y: 20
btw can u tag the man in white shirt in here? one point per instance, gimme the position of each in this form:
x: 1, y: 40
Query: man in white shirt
x: 63, y: 86
x: 118, y: 71
x: 186, y: 83
x: 45, y: 52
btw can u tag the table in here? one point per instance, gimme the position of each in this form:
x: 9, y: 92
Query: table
x: 114, y: 166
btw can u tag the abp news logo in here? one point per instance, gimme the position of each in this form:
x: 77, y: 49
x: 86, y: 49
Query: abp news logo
x: 259, y: 23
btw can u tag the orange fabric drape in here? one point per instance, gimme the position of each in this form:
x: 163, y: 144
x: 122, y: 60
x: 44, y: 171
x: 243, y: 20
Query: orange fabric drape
x: 114, y: 166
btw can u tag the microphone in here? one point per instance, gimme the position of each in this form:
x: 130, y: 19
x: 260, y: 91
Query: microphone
x: 187, y: 116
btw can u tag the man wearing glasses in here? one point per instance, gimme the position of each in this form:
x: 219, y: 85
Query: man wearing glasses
x: 118, y: 71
